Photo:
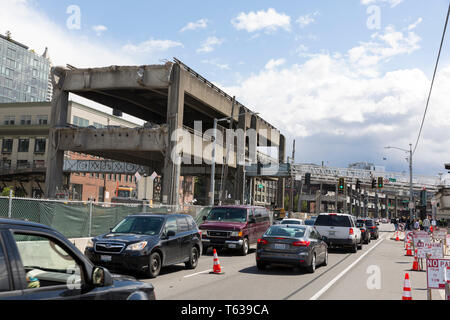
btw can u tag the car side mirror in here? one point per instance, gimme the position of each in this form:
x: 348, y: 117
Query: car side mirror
x: 252, y: 220
x: 204, y: 218
x: 101, y: 277
x: 171, y: 233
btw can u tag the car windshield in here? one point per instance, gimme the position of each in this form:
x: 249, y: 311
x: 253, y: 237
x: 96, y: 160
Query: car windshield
x: 291, y: 222
x: 228, y: 214
x: 309, y: 222
x: 285, y: 231
x: 139, y: 225
x: 332, y: 220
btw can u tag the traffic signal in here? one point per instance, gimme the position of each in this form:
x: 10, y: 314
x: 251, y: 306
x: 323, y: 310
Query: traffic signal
x: 374, y: 183
x: 341, y: 184
x: 380, y: 182
x: 423, y: 197
x: 307, y: 179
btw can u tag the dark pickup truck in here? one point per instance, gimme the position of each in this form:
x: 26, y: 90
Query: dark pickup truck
x: 37, y: 262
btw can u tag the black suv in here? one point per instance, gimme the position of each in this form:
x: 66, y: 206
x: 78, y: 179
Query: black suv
x: 37, y: 262
x: 146, y: 242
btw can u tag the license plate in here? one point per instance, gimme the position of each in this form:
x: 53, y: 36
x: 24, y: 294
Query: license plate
x: 105, y: 258
x: 232, y: 246
x: 331, y: 233
x: 280, y: 246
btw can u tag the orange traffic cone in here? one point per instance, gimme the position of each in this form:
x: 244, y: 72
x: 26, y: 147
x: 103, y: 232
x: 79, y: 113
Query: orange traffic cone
x: 415, y: 266
x: 396, y: 237
x: 408, y: 250
x: 407, y: 289
x: 217, y: 269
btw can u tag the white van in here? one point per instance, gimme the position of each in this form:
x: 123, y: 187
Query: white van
x: 339, y: 230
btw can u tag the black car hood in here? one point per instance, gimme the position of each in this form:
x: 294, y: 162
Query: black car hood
x: 125, y: 237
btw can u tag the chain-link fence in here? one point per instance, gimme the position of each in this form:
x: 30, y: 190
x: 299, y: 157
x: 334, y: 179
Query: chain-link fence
x: 77, y: 219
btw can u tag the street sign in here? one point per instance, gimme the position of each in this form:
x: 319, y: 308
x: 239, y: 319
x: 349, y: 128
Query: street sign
x: 431, y: 250
x: 435, y: 273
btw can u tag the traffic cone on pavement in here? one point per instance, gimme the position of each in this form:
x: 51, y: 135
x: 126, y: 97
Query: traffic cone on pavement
x: 415, y: 266
x: 217, y: 269
x: 407, y: 289
x: 408, y: 250
x: 396, y: 237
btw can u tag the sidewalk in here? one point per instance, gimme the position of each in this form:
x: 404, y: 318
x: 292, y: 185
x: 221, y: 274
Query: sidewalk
x: 418, y: 278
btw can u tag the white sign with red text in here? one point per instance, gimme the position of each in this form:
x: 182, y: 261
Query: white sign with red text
x: 432, y: 250
x: 436, y: 269
x: 421, y: 236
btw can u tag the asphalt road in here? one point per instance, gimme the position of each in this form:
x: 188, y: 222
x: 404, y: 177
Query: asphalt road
x: 374, y: 273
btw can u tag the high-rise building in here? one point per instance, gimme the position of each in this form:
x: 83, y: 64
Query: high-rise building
x: 24, y: 74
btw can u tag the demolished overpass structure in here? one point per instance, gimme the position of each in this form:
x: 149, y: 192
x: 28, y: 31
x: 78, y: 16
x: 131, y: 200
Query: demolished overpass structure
x: 175, y: 100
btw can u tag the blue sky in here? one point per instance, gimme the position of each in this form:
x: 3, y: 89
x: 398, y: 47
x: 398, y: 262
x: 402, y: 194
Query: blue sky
x: 314, y: 69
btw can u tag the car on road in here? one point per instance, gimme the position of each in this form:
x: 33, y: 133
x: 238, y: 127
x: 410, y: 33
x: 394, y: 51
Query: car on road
x: 291, y: 221
x: 384, y: 220
x: 145, y: 243
x: 39, y: 263
x: 234, y: 227
x: 292, y: 244
x: 309, y: 222
x: 365, y: 234
x: 372, y: 227
x: 340, y: 230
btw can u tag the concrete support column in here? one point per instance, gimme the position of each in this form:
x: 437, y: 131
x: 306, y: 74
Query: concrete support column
x: 281, y: 181
x: 172, y: 160
x: 240, y: 157
x: 59, y: 112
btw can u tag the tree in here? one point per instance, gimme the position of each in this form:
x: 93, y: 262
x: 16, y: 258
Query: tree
x: 5, y: 191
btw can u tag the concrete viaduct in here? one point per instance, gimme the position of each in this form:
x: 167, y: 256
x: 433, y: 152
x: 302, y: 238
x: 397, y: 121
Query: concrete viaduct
x: 170, y: 97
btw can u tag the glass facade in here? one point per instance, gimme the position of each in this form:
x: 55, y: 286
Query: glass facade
x: 24, y: 75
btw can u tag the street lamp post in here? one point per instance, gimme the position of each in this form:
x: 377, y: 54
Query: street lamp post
x: 411, y: 196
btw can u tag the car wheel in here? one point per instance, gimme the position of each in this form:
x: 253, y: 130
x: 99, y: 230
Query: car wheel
x: 244, y: 249
x: 193, y: 259
x: 312, y: 267
x: 154, y: 266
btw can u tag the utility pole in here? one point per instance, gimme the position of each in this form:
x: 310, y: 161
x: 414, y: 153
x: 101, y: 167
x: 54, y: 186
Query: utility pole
x: 411, y: 196
x: 291, y: 197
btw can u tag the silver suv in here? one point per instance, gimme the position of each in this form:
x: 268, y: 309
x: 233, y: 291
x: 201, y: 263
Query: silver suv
x: 339, y: 230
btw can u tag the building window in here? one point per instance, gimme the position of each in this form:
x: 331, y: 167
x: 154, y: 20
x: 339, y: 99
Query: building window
x: 80, y: 122
x: 38, y: 163
x: 39, y: 146
x: 25, y: 120
x: 99, y: 126
x: 24, y: 144
x: 9, y: 120
x: 42, y: 119
x: 7, y: 145
x: 22, y: 164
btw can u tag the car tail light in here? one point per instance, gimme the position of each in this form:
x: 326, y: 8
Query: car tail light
x: 200, y: 233
x: 301, y: 243
x: 262, y: 241
x: 372, y: 227
x: 362, y: 230
x: 350, y: 232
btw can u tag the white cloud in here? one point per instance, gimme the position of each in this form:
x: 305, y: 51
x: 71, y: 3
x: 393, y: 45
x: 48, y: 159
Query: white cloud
x: 217, y: 64
x: 415, y: 24
x: 99, y: 29
x: 392, y: 3
x: 269, y: 21
x: 151, y: 45
x: 306, y: 19
x: 199, y: 24
x: 272, y: 64
x: 336, y: 110
x: 32, y: 27
x: 209, y: 44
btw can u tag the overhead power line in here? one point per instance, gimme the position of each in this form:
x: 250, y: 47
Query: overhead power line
x: 432, y: 81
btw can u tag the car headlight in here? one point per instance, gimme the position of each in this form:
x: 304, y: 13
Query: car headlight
x: 90, y: 244
x: 236, y: 234
x: 137, y: 246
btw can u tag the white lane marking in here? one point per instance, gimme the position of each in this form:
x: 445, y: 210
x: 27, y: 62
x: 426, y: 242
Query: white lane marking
x: 194, y: 274
x: 328, y: 286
